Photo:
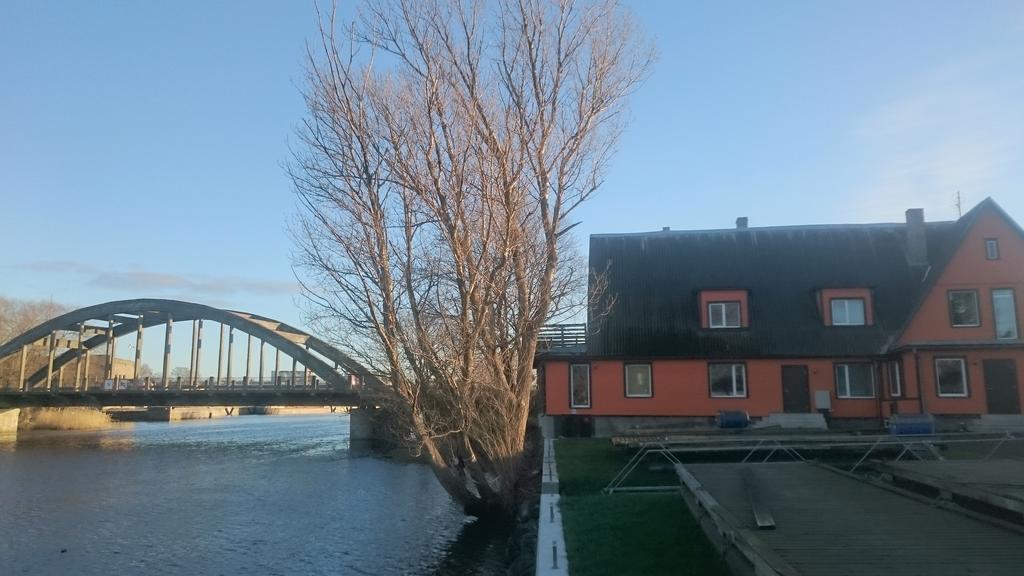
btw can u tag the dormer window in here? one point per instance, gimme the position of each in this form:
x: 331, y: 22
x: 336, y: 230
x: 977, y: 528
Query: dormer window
x: 848, y: 312
x: 992, y: 249
x: 846, y: 306
x: 724, y: 309
x: 724, y: 315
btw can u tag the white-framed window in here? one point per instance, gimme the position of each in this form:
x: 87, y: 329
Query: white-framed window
x: 638, y: 381
x: 728, y: 380
x: 724, y: 315
x: 895, y: 370
x: 1005, y: 310
x: 963, y: 308
x: 991, y: 249
x: 848, y: 312
x: 855, y: 380
x: 951, y: 377
x: 579, y: 385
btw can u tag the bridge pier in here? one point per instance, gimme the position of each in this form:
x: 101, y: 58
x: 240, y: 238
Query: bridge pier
x: 360, y: 428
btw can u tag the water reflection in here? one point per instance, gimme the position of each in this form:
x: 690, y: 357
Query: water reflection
x: 244, y: 495
x: 477, y: 550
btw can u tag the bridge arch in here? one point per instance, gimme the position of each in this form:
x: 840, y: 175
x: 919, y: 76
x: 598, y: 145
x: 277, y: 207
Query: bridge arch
x: 124, y: 317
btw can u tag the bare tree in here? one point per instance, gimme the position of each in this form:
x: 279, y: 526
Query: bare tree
x: 181, y: 372
x: 446, y: 147
x: 16, y: 317
x: 145, y: 371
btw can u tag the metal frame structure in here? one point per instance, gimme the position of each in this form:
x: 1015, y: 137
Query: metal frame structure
x: 920, y: 447
x: 124, y: 317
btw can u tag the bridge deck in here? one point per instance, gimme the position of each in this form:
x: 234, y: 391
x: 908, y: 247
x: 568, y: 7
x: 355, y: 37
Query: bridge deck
x: 226, y: 397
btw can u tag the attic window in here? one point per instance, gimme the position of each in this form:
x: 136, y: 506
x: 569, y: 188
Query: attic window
x: 724, y: 314
x: 992, y: 249
x: 848, y: 312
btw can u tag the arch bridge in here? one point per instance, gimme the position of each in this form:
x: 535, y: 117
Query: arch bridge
x: 71, y: 360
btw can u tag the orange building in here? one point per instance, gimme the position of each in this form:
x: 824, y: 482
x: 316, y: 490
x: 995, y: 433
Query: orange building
x: 858, y: 322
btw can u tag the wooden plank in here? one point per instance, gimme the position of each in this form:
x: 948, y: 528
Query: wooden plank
x: 832, y: 524
x: 763, y: 558
x: 762, y: 515
x: 962, y: 487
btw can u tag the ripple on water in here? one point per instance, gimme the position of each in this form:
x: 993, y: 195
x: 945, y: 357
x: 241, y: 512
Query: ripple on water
x: 244, y: 495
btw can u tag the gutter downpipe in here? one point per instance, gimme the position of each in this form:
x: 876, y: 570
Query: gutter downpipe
x: 917, y: 379
x: 881, y: 387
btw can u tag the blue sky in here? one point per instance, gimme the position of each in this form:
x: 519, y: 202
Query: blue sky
x: 142, y: 143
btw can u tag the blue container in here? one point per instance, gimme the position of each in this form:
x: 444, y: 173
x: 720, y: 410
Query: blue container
x: 911, y: 424
x: 733, y: 419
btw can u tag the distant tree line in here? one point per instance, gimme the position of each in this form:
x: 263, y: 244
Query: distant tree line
x: 17, y: 316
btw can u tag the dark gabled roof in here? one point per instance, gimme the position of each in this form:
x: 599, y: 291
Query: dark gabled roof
x: 655, y: 280
x: 947, y: 245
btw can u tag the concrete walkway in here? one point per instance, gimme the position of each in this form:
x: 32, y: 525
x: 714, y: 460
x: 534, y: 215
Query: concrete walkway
x: 551, y: 557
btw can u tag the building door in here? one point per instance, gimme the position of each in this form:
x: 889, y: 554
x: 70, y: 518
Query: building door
x: 1001, y: 387
x: 796, y: 393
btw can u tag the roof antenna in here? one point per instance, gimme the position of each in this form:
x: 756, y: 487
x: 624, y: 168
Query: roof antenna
x: 959, y: 206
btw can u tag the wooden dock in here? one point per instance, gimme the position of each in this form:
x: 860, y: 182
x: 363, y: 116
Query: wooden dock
x: 995, y: 483
x: 827, y: 523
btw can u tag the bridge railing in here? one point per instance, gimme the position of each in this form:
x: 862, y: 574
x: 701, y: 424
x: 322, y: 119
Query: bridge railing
x: 354, y: 383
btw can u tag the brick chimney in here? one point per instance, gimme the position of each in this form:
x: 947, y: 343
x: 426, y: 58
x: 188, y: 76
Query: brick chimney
x: 741, y: 223
x: 917, y: 240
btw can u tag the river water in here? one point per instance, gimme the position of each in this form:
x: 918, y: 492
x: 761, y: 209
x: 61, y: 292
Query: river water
x: 245, y: 495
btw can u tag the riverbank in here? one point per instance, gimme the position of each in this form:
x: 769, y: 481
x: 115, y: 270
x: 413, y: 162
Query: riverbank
x: 63, y: 419
x: 611, y: 534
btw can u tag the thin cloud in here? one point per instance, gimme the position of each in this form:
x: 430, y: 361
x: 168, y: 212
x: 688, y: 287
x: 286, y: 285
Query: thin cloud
x: 150, y: 282
x: 56, y: 266
x: 144, y: 282
x: 948, y: 132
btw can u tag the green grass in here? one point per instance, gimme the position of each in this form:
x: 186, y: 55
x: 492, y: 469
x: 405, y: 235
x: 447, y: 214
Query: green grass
x: 647, y: 534
x: 592, y: 463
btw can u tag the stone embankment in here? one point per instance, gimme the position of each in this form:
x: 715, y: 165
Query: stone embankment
x: 9, y: 423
